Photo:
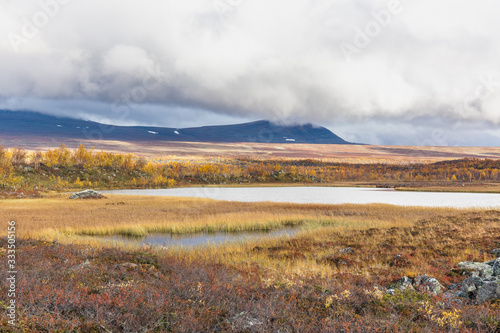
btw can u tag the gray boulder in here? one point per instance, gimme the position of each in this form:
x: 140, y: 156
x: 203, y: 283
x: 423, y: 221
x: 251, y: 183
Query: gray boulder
x: 87, y: 194
x: 422, y: 284
x: 477, y: 268
x: 481, y: 285
x: 470, y: 286
x: 347, y: 250
x: 489, y: 291
x: 483, y: 281
x: 403, y: 284
x: 428, y: 285
x: 496, y: 252
x: 496, y: 267
x: 243, y: 321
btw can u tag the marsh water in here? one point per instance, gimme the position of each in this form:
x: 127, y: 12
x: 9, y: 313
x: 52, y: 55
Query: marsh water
x: 199, y: 239
x: 330, y: 195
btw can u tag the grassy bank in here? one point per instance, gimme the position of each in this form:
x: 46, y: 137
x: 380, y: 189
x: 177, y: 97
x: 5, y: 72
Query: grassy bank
x: 461, y: 188
x: 55, y: 218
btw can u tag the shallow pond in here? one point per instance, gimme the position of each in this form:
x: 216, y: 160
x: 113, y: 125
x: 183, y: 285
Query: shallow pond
x: 200, y: 239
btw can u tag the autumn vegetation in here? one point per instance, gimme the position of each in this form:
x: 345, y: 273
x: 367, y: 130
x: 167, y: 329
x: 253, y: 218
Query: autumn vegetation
x: 300, y: 284
x: 62, y: 169
x: 72, y: 280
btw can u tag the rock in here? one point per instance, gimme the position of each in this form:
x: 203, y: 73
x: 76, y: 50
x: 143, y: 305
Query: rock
x: 452, y: 296
x: 477, y: 268
x: 128, y: 265
x: 481, y: 285
x: 243, y: 321
x: 403, y: 284
x: 480, y: 289
x: 471, y: 285
x: 489, y: 291
x: 429, y: 285
x: 87, y: 194
x: 490, y: 262
x: 496, y: 267
x: 422, y: 284
x: 391, y: 292
x: 85, y: 264
x: 347, y: 250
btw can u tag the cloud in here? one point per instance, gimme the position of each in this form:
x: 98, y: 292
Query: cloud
x: 322, y: 61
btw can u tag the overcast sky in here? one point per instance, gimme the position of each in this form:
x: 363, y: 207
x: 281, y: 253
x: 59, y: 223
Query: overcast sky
x: 420, y: 72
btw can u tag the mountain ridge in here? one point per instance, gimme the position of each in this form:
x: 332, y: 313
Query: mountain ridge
x: 35, y: 124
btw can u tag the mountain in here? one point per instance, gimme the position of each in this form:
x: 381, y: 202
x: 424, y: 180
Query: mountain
x: 32, y: 124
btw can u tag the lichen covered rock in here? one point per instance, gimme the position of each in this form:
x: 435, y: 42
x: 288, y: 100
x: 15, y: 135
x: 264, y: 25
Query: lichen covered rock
x: 87, y: 194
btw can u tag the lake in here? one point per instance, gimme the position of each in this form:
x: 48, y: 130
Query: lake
x: 329, y: 195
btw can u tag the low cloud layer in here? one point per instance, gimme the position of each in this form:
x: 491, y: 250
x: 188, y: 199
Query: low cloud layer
x: 348, y: 65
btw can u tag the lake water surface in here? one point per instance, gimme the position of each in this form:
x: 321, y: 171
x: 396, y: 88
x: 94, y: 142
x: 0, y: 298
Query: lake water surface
x: 198, y: 239
x: 329, y: 195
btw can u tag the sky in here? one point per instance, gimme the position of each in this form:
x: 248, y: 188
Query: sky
x: 397, y: 72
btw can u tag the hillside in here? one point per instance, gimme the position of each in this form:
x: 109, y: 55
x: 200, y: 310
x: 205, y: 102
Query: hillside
x: 37, y: 125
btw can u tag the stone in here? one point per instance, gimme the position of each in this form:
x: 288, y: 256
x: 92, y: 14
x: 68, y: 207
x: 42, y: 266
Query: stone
x: 128, y: 265
x: 477, y: 268
x: 403, y: 284
x: 452, y: 296
x: 489, y: 291
x: 85, y: 264
x: 429, y: 285
x: 347, y: 250
x: 87, y: 194
x: 243, y: 321
x: 481, y: 285
x: 470, y: 287
x: 490, y: 262
x: 496, y: 267
x: 391, y: 292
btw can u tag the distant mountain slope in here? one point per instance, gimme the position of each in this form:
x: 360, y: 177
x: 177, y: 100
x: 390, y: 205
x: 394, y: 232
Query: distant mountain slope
x: 32, y: 124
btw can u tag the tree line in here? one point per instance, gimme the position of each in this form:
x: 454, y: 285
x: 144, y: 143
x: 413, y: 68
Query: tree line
x: 63, y: 168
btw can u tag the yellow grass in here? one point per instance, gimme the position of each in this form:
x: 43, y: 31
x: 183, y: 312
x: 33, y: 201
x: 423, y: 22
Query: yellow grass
x: 139, y: 216
x: 325, y: 230
x: 457, y: 235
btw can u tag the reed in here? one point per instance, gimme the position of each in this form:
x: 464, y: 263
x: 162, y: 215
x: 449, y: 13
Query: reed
x: 140, y: 216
